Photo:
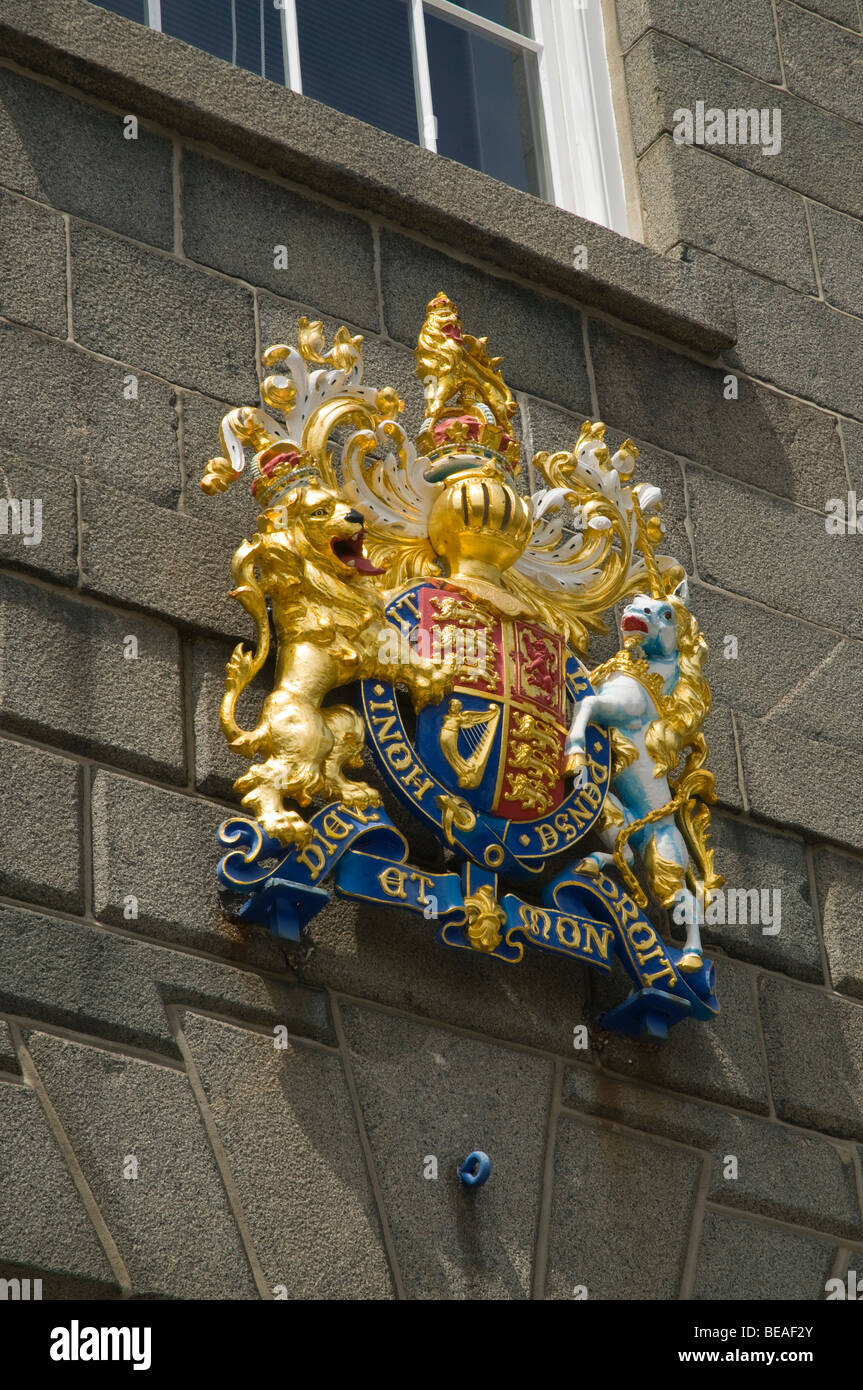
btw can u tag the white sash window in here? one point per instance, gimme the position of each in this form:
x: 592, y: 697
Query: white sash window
x: 518, y: 89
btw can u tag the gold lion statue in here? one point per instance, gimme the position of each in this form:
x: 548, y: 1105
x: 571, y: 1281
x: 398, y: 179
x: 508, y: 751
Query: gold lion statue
x: 308, y: 557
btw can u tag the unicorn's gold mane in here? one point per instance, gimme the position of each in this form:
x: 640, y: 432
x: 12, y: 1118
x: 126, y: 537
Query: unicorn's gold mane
x: 685, y: 708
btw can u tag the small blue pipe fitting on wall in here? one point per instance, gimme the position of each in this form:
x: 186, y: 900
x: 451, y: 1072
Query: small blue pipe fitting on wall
x: 475, y: 1169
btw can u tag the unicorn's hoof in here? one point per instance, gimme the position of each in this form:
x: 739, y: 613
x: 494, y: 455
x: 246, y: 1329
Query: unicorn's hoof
x: 689, y: 962
x: 587, y: 866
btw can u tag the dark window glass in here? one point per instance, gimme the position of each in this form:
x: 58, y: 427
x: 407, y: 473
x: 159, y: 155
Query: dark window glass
x: 245, y: 32
x: 129, y: 9
x: 484, y: 100
x: 357, y: 58
x: 512, y: 14
x: 259, y: 38
x: 208, y: 24
x: 274, y: 67
x: 249, y: 22
x: 355, y: 55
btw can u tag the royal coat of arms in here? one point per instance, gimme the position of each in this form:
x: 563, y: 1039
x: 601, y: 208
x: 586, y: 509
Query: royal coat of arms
x: 451, y: 610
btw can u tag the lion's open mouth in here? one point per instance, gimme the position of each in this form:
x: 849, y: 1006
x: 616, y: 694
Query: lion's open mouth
x: 632, y: 623
x: 349, y: 549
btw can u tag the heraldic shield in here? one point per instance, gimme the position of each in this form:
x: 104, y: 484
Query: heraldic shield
x: 452, y: 607
x: 502, y: 731
x: 495, y: 743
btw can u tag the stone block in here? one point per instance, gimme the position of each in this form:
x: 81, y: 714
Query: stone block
x: 769, y: 550
x: 793, y: 780
x: 100, y: 981
x: 32, y: 265
x: 168, y: 1213
x: 190, y: 327
x: 814, y: 1044
x: 852, y: 438
x: 138, y: 554
x: 844, y: 12
x: 855, y: 1264
x: 760, y: 437
x: 45, y: 1224
x: 822, y: 61
x: 749, y: 1261
x: 719, y: 729
x: 664, y: 76
x: 161, y: 849
x: 802, y: 345
x: 74, y: 685
x: 693, y: 199
x: 774, y: 866
x: 42, y: 533
x: 719, y: 1060
x: 8, y: 1056
x: 837, y: 250
x: 620, y: 1214
x: 780, y: 1172
x: 394, y: 958
x: 41, y: 809
x: 819, y: 706
x: 839, y: 885
x: 75, y: 156
x: 770, y: 659
x: 289, y: 1131
x: 94, y: 427
x: 553, y: 430
x: 741, y: 33
x: 426, y: 1093
x: 260, y: 232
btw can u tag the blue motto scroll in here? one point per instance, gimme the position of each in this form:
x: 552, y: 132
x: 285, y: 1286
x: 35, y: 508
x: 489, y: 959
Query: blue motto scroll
x: 362, y: 856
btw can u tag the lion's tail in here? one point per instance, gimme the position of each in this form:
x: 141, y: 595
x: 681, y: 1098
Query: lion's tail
x: 244, y: 664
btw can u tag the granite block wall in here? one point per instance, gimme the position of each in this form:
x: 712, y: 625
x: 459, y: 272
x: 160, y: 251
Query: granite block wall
x: 156, y: 1139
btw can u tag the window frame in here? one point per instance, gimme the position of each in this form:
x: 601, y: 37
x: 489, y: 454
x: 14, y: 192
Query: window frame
x: 581, y: 157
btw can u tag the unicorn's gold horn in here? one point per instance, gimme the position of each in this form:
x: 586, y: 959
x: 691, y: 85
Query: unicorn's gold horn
x: 657, y: 589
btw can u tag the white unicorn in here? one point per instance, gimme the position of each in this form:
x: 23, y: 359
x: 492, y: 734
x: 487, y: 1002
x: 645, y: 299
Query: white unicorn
x: 653, y: 699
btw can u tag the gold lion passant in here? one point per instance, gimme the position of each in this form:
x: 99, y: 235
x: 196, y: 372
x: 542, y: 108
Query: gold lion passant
x: 328, y: 620
x: 307, y: 558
